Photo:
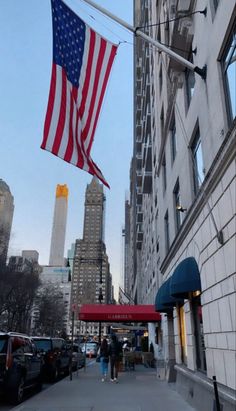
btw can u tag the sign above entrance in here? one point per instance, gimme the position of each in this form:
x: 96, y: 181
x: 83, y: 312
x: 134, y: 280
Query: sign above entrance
x: 118, y: 313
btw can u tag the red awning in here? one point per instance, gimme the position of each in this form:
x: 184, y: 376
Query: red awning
x: 118, y: 313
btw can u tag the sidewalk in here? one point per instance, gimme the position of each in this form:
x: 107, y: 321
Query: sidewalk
x: 137, y: 390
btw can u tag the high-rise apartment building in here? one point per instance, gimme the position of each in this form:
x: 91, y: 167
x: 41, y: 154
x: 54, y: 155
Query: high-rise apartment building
x: 91, y: 279
x: 126, y: 236
x: 6, y: 216
x: 59, y: 227
x: 182, y: 194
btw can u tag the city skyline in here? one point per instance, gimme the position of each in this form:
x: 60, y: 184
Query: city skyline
x: 33, y: 174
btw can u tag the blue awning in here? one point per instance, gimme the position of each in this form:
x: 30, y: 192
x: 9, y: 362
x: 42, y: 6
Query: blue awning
x: 185, y: 279
x: 164, y: 302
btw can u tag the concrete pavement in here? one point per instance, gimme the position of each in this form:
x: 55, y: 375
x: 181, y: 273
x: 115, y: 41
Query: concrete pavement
x: 137, y: 390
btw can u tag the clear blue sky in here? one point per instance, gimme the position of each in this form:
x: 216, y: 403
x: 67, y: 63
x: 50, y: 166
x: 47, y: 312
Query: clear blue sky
x: 31, y: 173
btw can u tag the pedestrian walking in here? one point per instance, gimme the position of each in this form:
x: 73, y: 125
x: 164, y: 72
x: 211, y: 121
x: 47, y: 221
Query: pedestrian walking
x: 114, y: 353
x: 104, y: 359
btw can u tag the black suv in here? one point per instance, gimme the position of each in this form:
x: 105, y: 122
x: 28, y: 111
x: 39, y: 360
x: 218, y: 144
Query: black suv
x: 56, y: 356
x: 20, y: 365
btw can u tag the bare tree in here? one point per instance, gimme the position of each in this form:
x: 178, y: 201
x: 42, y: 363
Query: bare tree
x: 17, y: 294
x: 51, y: 311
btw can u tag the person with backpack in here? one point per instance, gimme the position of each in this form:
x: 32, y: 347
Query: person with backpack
x: 114, y: 353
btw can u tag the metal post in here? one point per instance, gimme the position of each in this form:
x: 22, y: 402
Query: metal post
x: 217, y: 406
x: 85, y: 359
x: 137, y: 32
x: 100, y: 301
x: 72, y: 341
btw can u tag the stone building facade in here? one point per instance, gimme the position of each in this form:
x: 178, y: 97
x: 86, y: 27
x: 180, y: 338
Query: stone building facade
x: 185, y: 261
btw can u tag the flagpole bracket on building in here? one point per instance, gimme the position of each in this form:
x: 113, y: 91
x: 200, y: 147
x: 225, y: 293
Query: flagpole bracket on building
x: 137, y: 32
x: 201, y: 71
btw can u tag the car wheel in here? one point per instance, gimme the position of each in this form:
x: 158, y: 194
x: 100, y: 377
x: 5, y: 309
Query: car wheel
x: 55, y: 374
x: 39, y: 383
x: 67, y: 370
x: 17, y: 392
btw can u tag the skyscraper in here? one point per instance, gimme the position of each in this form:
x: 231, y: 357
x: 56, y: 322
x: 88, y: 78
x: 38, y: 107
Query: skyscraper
x: 59, y: 226
x: 91, y: 280
x: 6, y: 216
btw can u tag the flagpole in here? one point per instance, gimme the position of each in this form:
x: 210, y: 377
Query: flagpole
x: 137, y: 32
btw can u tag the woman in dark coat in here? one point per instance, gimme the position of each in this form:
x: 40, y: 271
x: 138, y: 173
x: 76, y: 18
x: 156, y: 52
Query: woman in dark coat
x: 104, y: 359
x: 114, y: 352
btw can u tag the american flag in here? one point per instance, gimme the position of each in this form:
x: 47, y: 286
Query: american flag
x: 82, y: 62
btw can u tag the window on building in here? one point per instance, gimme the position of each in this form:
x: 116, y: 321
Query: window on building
x: 177, y: 202
x: 215, y: 4
x: 229, y: 72
x: 162, y: 122
x: 198, y: 332
x: 182, y: 333
x: 167, y: 32
x: 189, y: 81
x: 173, y: 141
x: 164, y: 173
x: 167, y: 234
x: 160, y: 79
x: 197, y: 160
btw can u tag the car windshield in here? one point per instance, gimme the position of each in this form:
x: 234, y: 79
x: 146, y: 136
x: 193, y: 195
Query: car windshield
x: 44, y: 345
x: 91, y: 345
x: 3, y: 344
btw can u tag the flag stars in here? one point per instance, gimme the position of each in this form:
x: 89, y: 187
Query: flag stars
x: 69, y: 35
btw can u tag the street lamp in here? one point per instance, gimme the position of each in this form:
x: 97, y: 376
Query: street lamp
x: 73, y: 309
x: 100, y: 298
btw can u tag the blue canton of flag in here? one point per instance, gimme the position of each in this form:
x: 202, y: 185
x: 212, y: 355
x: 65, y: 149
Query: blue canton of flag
x: 68, y: 42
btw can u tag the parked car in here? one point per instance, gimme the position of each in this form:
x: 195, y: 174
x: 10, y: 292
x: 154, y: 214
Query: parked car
x: 20, y: 365
x: 56, y: 356
x: 90, y: 348
x: 78, y: 358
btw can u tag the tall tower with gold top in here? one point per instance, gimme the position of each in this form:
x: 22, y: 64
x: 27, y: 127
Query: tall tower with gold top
x: 59, y: 226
